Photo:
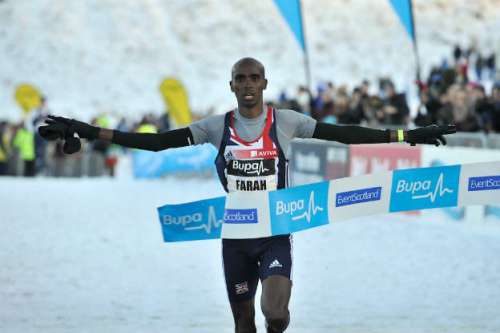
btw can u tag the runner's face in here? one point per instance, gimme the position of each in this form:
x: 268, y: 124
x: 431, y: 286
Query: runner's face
x: 247, y: 83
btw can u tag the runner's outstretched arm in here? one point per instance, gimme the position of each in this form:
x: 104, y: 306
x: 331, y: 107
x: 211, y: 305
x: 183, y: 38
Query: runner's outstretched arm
x: 64, y: 128
x: 351, y: 134
x: 155, y: 142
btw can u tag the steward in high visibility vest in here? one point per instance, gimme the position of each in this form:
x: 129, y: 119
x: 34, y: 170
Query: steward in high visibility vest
x: 147, y: 128
x: 24, y: 140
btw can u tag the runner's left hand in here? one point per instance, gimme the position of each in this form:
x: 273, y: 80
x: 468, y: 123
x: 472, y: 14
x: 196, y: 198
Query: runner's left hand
x: 433, y: 135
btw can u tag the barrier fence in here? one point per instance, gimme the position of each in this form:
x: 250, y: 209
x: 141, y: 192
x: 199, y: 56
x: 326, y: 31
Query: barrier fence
x: 311, y: 160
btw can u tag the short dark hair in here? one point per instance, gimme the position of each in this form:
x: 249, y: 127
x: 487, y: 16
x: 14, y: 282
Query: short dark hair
x: 249, y: 60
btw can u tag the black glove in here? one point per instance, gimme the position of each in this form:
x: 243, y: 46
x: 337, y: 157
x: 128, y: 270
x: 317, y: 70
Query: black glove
x: 84, y: 130
x: 71, y: 144
x: 52, y: 130
x: 433, y: 134
x: 64, y: 128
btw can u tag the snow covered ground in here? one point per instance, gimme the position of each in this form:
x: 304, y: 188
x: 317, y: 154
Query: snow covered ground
x: 93, y: 56
x: 86, y: 255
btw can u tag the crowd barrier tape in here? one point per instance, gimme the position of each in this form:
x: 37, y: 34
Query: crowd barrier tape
x: 241, y: 215
x: 147, y: 164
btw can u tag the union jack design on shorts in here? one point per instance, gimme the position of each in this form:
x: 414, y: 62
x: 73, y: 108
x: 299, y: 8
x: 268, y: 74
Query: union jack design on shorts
x: 241, y: 288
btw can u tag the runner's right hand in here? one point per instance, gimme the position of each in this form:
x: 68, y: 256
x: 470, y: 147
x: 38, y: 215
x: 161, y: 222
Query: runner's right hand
x: 83, y: 130
x: 53, y: 130
x: 61, y: 128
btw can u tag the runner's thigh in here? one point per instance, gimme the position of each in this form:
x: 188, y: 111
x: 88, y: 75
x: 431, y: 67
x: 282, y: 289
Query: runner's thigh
x: 241, y: 271
x: 276, y: 257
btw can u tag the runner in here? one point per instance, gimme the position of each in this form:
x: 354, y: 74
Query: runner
x: 253, y: 141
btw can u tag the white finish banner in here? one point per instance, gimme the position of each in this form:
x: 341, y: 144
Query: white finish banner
x: 242, y: 215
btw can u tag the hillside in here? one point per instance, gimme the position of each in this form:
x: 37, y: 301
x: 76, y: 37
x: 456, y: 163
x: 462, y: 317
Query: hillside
x: 108, y: 55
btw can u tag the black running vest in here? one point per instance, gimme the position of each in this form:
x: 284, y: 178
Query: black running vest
x: 258, y: 165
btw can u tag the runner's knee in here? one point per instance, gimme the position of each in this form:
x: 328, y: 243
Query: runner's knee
x: 275, y: 297
x: 244, y: 316
x: 275, y: 312
x: 277, y: 315
x: 278, y: 325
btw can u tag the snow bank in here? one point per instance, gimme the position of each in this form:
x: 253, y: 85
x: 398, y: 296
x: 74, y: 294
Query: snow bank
x: 87, y: 255
x: 107, y: 55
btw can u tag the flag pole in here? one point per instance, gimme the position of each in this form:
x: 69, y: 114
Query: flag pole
x: 415, y: 45
x: 307, y: 65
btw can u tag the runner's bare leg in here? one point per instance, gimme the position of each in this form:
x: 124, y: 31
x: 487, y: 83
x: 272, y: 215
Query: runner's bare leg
x: 276, y: 291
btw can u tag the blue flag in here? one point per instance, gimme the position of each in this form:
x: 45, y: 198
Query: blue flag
x: 291, y: 11
x: 405, y: 13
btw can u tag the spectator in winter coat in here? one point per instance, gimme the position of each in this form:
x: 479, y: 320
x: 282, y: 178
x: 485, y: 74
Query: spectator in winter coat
x: 457, y: 110
x: 396, y: 111
x: 481, y: 106
x: 495, y: 112
x: 4, y: 148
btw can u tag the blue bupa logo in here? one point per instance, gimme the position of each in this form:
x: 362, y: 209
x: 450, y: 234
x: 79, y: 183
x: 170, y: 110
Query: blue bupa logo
x: 298, y: 208
x: 192, y: 221
x: 240, y: 216
x: 423, y: 188
x: 358, y: 196
x: 485, y: 183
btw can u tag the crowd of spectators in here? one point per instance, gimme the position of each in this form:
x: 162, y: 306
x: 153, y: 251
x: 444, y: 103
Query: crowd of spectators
x: 24, y: 152
x: 464, y: 92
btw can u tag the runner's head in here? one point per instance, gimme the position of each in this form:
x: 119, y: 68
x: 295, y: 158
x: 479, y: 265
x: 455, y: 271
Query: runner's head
x: 248, y: 80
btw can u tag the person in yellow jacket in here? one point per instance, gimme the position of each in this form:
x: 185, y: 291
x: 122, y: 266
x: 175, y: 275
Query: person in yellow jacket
x: 24, y: 140
x: 4, y: 148
x: 146, y: 126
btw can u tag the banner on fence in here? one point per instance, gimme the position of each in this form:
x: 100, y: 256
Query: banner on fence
x: 193, y: 159
x: 312, y: 162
